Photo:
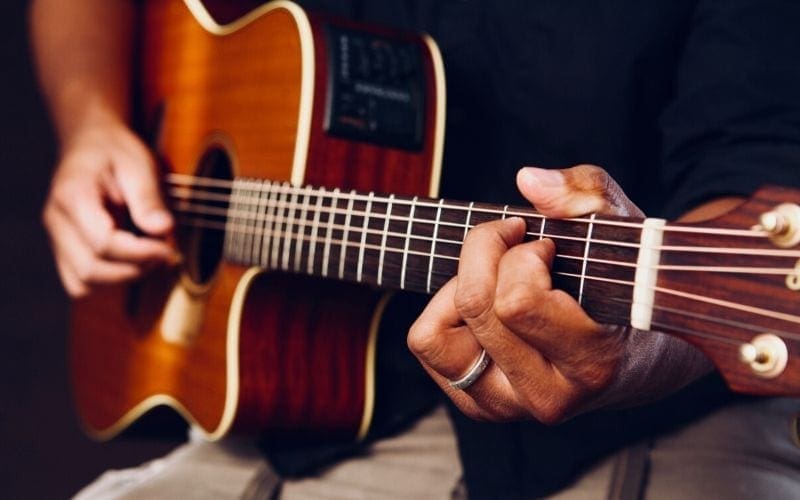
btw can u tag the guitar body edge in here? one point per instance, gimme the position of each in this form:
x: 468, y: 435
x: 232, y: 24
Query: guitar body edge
x: 248, y: 351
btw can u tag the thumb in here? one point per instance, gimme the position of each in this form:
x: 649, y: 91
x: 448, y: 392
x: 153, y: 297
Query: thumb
x: 138, y: 183
x: 573, y: 192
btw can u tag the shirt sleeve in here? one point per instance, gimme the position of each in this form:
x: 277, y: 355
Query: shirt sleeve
x: 734, y: 122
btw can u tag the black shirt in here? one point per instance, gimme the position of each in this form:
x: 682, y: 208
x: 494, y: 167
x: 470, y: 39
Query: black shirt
x: 680, y: 100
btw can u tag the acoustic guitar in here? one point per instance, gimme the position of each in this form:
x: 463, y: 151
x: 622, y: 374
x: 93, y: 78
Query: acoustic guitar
x: 281, y: 134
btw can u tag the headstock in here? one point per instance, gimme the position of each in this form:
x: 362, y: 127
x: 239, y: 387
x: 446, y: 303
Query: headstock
x: 731, y: 286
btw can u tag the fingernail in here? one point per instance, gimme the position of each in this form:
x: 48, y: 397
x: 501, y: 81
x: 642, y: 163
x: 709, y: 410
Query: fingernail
x: 541, y: 177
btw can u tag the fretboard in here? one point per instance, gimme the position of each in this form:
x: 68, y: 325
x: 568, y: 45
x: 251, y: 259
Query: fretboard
x: 413, y: 243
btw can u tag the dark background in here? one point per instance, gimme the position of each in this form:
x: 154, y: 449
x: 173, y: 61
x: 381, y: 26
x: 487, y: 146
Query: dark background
x: 43, y: 453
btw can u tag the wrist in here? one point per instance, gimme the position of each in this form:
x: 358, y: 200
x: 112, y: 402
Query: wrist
x: 84, y: 113
x: 654, y: 365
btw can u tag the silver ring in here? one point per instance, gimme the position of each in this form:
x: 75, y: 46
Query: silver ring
x: 473, y: 374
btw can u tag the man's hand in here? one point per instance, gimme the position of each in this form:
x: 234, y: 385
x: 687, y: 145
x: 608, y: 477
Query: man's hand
x: 104, y: 171
x: 550, y: 360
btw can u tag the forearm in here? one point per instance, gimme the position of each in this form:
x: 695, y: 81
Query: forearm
x: 83, y: 54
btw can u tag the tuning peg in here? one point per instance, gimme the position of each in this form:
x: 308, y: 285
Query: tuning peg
x: 766, y: 355
x: 782, y: 224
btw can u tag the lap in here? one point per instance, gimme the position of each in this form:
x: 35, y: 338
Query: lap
x: 420, y: 463
x: 744, y: 450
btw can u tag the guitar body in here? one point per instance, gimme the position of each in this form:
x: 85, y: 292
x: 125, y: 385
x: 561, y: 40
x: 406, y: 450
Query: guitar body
x: 236, y: 348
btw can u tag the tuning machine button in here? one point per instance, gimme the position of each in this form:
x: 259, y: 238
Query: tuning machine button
x: 783, y: 224
x: 766, y: 355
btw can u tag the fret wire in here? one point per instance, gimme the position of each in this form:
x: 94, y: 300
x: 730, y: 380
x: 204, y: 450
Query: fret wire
x: 663, y: 248
x: 433, y: 244
x: 405, y: 251
x: 364, y: 229
x: 255, y: 242
x: 660, y: 267
x: 327, y: 248
x: 347, y: 219
x: 585, y: 257
x: 522, y: 212
x: 247, y: 237
x: 298, y: 257
x: 694, y: 297
x: 271, y: 219
x: 261, y: 220
x: 383, y: 239
x: 278, y: 225
x: 234, y: 239
x: 314, y: 234
x: 287, y: 243
x: 442, y: 223
x: 466, y: 223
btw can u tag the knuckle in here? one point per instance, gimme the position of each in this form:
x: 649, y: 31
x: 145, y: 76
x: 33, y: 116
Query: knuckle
x: 471, y: 303
x: 101, y: 243
x: 513, y: 304
x: 83, y: 272
x: 424, y: 341
x: 552, y: 412
x: 474, y: 412
x: 596, y: 377
x: 595, y: 178
x: 76, y: 291
x: 548, y: 408
x: 506, y: 413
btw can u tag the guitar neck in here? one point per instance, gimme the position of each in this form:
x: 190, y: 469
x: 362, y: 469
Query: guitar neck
x: 412, y: 243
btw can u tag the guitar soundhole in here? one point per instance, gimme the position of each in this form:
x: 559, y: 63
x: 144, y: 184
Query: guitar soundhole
x: 202, y: 237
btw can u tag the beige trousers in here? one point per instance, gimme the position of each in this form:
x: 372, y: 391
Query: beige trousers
x: 744, y: 451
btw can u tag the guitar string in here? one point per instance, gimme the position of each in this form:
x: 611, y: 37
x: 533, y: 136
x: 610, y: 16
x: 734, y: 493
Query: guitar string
x: 720, y: 250
x: 248, y: 216
x: 710, y: 319
x: 686, y: 331
x: 183, y: 179
x: 696, y: 298
x: 264, y: 233
x: 705, y: 317
x: 789, y: 318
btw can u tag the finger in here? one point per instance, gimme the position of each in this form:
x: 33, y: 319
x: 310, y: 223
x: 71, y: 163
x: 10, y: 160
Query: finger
x: 126, y: 247
x: 447, y: 350
x: 539, y: 316
x: 527, y: 375
x: 477, y: 268
x: 138, y: 184
x: 72, y: 285
x: 523, y: 276
x: 573, y: 192
x: 526, y: 303
x: 440, y: 339
x: 79, y: 266
x: 96, y: 227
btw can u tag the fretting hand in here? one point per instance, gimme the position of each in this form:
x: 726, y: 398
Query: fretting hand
x: 550, y: 360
